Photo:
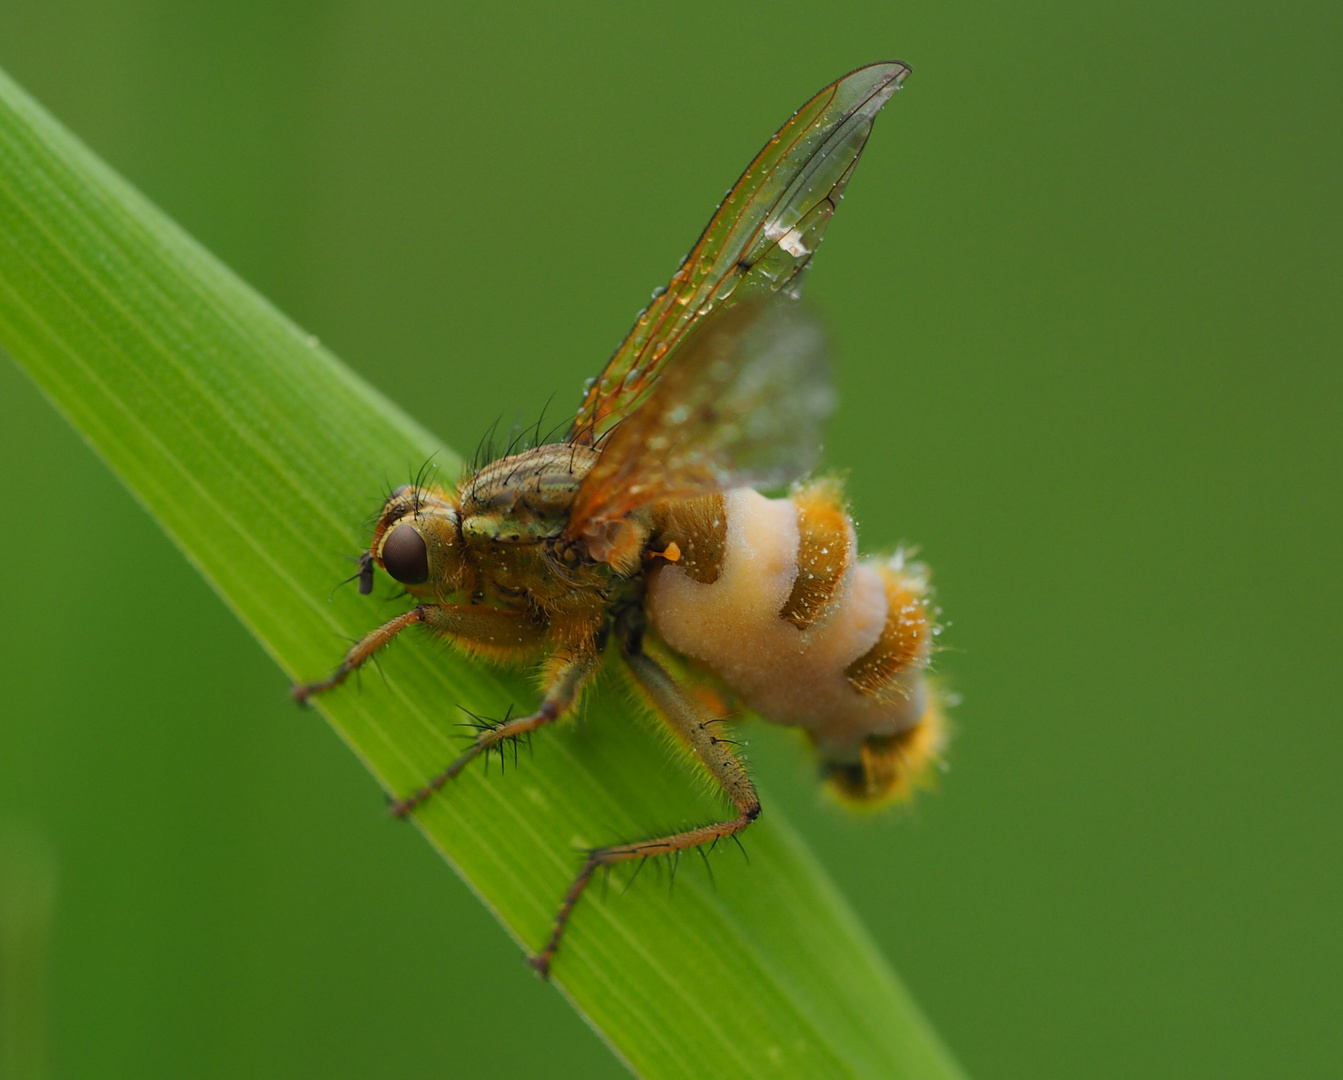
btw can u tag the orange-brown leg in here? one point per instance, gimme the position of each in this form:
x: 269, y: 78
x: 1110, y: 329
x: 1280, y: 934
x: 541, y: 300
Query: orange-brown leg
x: 490, y: 630
x: 559, y: 696
x: 713, y: 750
x: 484, y: 629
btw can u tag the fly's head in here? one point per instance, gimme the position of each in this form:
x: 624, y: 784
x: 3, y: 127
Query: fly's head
x: 418, y: 542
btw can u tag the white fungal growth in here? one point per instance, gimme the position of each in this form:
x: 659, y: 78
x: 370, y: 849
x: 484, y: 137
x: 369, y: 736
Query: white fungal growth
x: 790, y: 676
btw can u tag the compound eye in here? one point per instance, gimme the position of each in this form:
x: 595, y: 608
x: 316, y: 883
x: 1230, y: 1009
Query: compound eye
x: 405, y: 557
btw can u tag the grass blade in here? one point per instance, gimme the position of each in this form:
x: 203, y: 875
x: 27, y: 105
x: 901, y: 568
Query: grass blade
x: 261, y: 455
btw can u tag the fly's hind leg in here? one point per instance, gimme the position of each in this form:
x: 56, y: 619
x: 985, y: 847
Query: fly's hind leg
x: 561, y: 690
x: 718, y: 757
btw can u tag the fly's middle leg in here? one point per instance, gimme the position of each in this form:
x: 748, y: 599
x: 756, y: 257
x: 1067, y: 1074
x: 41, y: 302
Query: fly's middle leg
x: 485, y: 631
x: 559, y: 696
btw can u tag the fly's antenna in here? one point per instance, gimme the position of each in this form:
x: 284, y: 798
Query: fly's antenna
x: 364, y: 562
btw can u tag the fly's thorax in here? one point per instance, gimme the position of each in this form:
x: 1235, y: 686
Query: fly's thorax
x: 521, y: 501
x: 534, y: 487
x: 520, y: 525
x: 514, y: 515
x: 418, y: 542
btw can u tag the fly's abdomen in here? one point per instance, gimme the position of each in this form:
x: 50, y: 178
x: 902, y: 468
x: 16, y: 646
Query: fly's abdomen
x: 812, y: 637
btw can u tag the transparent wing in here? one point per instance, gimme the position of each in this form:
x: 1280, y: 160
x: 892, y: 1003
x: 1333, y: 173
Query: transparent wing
x: 743, y: 406
x: 759, y: 241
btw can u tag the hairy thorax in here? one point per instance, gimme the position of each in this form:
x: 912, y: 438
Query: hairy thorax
x: 513, y: 516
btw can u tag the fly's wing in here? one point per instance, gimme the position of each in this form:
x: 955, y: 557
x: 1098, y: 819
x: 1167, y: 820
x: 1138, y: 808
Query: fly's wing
x: 758, y: 243
x: 743, y: 406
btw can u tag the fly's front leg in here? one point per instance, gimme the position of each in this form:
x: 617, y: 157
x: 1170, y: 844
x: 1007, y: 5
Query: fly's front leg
x: 491, y: 631
x: 560, y: 692
x: 359, y: 654
x: 718, y: 757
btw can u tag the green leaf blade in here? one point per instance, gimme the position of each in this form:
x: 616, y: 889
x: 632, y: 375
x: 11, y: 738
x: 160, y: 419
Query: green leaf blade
x: 261, y: 455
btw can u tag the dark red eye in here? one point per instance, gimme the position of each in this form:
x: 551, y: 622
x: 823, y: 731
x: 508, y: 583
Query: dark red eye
x: 405, y: 557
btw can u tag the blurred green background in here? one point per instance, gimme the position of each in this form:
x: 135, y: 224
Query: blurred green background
x: 1086, y: 297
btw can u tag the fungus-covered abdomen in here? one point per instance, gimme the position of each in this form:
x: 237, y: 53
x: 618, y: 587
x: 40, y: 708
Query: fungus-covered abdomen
x: 807, y: 635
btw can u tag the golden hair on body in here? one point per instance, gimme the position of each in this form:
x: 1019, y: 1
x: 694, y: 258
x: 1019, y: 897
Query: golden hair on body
x: 645, y: 522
